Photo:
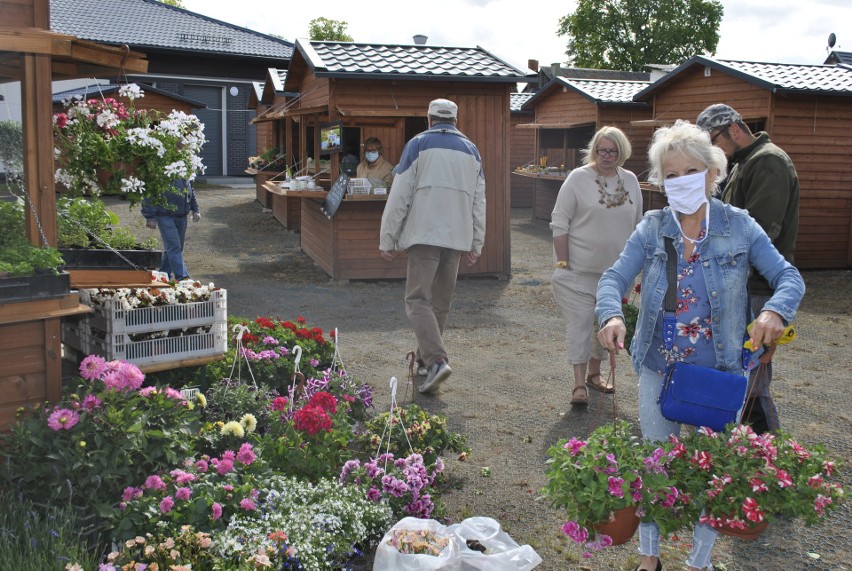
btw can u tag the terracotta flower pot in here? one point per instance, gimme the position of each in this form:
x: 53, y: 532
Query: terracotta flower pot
x: 621, y: 526
x: 749, y: 534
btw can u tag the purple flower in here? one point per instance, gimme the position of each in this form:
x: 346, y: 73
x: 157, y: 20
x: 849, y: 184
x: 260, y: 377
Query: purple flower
x: 615, y: 486
x: 347, y: 469
x: 91, y: 402
x: 182, y: 477
x: 154, y: 482
x: 202, y: 466
x: 394, y: 486
x: 247, y: 504
x: 373, y: 494
x: 92, y: 367
x: 183, y: 493
x: 269, y: 340
x: 166, y: 504
x: 131, y: 493
x: 372, y: 469
x: 246, y: 455
x: 216, y: 510
x: 63, y: 419
x: 575, y: 446
x: 575, y: 532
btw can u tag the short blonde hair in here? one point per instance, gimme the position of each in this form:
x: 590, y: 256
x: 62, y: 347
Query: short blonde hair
x: 688, y: 139
x: 615, y: 135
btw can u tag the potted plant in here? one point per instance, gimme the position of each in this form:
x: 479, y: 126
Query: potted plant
x: 743, y: 480
x: 26, y: 271
x: 89, y: 237
x: 595, y: 480
x: 106, y: 147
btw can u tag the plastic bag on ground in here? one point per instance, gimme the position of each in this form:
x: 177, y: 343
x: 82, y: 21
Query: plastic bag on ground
x: 501, y: 553
x: 388, y: 558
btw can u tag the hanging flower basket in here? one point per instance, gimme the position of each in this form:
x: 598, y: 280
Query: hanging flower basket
x: 106, y: 147
x: 746, y: 532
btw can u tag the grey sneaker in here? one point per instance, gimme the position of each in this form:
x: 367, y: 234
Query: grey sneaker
x: 438, y: 373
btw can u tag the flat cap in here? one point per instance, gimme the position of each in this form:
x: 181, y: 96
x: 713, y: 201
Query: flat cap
x: 443, y: 108
x: 717, y: 115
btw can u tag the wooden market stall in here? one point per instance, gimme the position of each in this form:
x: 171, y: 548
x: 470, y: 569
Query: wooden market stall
x: 348, y: 92
x: 568, y: 112
x: 30, y: 341
x: 807, y: 111
x: 268, y: 96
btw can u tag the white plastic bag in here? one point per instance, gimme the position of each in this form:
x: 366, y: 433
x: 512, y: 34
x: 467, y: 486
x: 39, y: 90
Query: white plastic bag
x: 502, y: 553
x: 389, y: 559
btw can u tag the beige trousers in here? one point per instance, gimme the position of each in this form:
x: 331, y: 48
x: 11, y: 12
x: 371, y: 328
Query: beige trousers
x: 576, y: 293
x: 429, y: 288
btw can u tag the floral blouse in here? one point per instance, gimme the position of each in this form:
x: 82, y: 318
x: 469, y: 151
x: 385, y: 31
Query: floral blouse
x: 693, y: 341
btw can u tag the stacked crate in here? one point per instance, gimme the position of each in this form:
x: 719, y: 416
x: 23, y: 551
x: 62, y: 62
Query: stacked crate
x: 151, y: 335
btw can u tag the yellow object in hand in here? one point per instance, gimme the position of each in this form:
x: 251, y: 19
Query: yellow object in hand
x: 786, y: 337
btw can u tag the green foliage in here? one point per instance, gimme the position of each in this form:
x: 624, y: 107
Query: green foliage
x: 36, y: 539
x: 87, y: 223
x: 328, y: 30
x: 11, y: 147
x: 178, y: 3
x: 17, y: 256
x: 630, y: 34
x: 112, y: 439
x: 426, y: 433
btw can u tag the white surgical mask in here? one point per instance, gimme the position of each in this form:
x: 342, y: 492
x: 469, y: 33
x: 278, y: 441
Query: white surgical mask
x: 372, y: 156
x: 686, y: 194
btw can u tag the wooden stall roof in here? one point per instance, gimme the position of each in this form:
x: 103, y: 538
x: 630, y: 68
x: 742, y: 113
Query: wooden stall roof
x: 598, y: 91
x: 72, y: 57
x: 778, y: 78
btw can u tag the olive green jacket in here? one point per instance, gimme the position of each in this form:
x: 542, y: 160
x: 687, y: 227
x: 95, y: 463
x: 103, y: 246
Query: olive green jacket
x: 764, y: 182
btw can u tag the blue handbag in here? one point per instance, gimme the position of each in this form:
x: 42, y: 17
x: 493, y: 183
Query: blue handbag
x: 691, y: 394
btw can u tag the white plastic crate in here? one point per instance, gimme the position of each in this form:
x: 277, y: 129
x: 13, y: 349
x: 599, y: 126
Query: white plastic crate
x: 112, y: 318
x: 72, y: 337
x: 359, y: 186
x: 119, y: 346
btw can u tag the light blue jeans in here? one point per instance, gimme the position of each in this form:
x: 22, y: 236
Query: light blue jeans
x: 656, y: 428
x: 173, y: 234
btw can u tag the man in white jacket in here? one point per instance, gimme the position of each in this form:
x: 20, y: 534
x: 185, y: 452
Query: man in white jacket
x: 435, y: 212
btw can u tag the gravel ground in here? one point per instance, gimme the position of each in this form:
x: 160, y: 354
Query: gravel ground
x: 509, y: 391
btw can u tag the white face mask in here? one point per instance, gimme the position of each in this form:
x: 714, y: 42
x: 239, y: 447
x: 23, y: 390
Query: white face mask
x: 372, y: 156
x: 687, y: 193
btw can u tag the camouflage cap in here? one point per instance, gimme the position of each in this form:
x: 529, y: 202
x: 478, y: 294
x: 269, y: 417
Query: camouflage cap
x: 717, y: 115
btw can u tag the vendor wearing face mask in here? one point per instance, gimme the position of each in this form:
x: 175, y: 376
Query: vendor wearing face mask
x: 374, y: 165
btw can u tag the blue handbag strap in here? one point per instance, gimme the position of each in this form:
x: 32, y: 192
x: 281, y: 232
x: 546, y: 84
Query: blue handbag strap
x: 670, y: 309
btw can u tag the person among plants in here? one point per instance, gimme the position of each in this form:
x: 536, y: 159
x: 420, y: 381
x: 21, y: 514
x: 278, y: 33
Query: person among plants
x: 436, y: 213
x: 716, y: 243
x: 374, y: 165
x: 599, y: 195
x: 171, y: 219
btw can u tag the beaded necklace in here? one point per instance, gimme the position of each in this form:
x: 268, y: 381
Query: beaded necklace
x: 619, y: 197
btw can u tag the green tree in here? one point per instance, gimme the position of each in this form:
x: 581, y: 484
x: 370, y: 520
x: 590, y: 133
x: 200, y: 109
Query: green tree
x: 178, y: 3
x: 629, y: 34
x: 329, y: 30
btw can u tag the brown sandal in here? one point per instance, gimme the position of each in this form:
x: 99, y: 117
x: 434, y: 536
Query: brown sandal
x: 600, y: 386
x: 577, y: 399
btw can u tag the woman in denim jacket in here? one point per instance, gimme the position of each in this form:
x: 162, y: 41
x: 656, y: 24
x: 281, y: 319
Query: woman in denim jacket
x: 716, y: 245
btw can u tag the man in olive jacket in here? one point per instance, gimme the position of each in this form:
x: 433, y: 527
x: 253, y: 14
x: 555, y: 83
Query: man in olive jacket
x: 436, y: 213
x: 764, y: 182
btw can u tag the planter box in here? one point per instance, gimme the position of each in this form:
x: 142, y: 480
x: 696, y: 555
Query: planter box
x: 35, y: 286
x: 96, y: 258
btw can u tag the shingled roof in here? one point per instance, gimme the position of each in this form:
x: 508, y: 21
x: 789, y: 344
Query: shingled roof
x: 790, y: 78
x: 422, y: 62
x: 836, y: 57
x: 605, y: 91
x: 148, y: 24
x: 517, y: 100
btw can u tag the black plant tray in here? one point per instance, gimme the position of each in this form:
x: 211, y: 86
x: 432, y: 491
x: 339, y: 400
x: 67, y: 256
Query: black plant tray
x: 35, y: 286
x: 95, y: 258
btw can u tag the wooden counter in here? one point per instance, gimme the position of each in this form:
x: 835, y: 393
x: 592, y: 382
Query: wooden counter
x: 286, y: 209
x: 346, y: 247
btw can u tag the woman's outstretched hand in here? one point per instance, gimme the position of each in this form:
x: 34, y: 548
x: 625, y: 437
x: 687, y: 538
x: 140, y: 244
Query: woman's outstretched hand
x: 611, y: 335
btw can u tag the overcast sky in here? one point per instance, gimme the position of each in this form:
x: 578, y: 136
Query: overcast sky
x: 788, y: 31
